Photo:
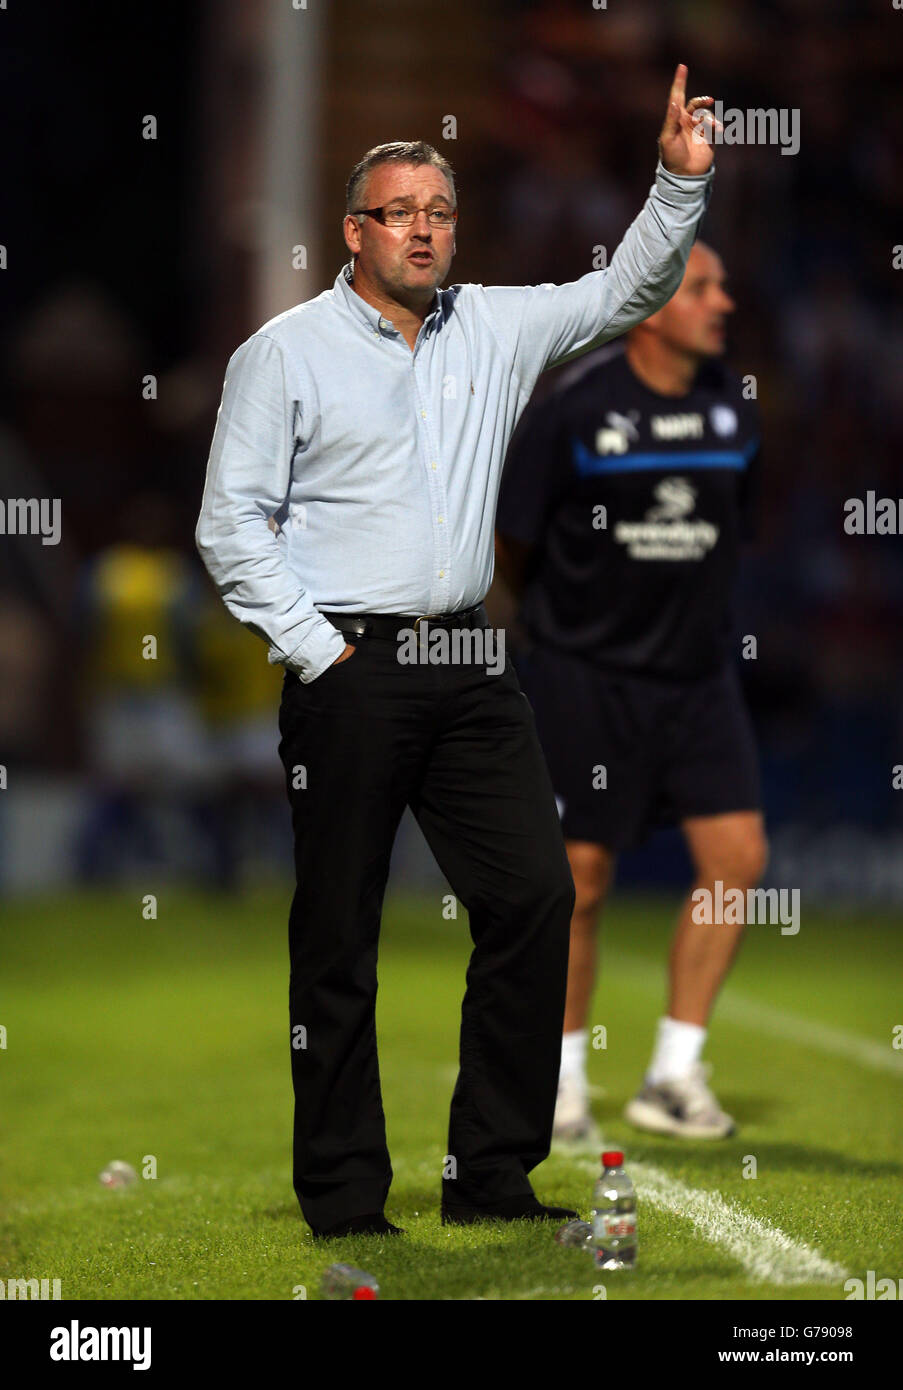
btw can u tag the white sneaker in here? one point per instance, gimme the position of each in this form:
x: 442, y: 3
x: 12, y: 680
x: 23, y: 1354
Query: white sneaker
x: 684, y: 1107
x: 573, y: 1122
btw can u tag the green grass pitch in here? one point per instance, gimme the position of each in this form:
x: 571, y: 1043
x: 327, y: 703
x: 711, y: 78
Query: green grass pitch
x: 127, y: 1037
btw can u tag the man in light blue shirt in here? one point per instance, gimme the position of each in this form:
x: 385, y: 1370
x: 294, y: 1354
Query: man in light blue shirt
x: 351, y: 490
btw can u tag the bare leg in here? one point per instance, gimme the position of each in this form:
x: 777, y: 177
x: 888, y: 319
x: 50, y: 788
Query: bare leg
x: 592, y: 867
x: 675, y: 1098
x: 731, y: 848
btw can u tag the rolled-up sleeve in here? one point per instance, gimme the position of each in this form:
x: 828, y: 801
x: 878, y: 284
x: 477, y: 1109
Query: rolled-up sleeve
x: 544, y: 325
x: 248, y: 476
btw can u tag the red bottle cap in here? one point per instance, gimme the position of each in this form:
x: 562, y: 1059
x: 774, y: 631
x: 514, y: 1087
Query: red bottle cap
x: 363, y: 1291
x: 612, y: 1159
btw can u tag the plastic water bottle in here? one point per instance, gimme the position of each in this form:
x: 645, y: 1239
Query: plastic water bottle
x: 346, y: 1282
x: 575, y: 1233
x: 614, y: 1215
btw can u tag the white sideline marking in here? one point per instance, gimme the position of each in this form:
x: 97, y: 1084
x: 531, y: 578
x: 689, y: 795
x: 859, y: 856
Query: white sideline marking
x: 766, y: 1253
x: 836, y: 1042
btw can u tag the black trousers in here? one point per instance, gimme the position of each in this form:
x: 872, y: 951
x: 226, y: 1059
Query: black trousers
x: 458, y: 744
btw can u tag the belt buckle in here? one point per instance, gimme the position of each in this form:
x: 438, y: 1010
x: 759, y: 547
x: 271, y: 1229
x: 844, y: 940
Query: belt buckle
x: 423, y: 618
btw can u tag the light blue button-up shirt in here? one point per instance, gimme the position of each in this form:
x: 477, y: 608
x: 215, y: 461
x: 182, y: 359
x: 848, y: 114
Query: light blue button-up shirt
x: 349, y: 473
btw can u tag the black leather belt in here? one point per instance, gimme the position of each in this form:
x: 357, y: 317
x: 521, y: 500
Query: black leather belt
x: 389, y: 625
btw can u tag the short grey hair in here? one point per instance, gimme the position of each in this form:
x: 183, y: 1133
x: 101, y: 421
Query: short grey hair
x: 395, y: 152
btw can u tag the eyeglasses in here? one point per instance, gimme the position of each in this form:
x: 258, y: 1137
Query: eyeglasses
x: 404, y: 217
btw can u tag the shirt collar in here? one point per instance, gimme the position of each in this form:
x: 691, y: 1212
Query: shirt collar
x: 366, y: 313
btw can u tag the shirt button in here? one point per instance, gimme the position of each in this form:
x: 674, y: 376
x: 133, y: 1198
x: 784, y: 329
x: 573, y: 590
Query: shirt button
x: 423, y: 414
x: 441, y: 519
x: 384, y: 324
x: 442, y: 574
x: 433, y: 466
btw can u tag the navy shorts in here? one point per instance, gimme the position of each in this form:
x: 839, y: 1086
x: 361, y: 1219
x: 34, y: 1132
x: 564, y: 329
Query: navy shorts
x: 628, y: 754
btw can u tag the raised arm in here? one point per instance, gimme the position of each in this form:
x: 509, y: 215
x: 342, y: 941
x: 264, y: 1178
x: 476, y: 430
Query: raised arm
x: 541, y: 326
x: 683, y: 145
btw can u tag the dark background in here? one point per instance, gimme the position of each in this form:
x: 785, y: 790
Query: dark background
x: 129, y: 257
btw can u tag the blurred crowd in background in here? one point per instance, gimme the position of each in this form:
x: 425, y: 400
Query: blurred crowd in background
x: 115, y: 342
x: 808, y: 242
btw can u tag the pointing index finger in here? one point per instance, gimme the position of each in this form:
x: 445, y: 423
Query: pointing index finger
x: 679, y: 86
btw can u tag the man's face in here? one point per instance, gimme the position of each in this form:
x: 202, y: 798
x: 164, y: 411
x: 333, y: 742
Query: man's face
x: 406, y: 263
x: 695, y: 319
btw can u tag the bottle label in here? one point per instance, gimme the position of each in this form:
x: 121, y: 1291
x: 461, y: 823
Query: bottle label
x: 616, y: 1225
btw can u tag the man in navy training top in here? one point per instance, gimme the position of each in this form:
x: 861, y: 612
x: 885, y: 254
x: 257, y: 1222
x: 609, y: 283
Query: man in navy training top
x: 619, y: 521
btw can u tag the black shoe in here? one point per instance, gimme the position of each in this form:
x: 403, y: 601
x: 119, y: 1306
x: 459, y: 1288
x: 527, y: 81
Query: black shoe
x: 373, y: 1224
x: 507, y: 1209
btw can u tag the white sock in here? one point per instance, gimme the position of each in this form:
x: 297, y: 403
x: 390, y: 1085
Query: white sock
x: 573, y: 1057
x: 678, y: 1047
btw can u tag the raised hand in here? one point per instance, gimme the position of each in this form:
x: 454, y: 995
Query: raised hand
x: 683, y: 144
